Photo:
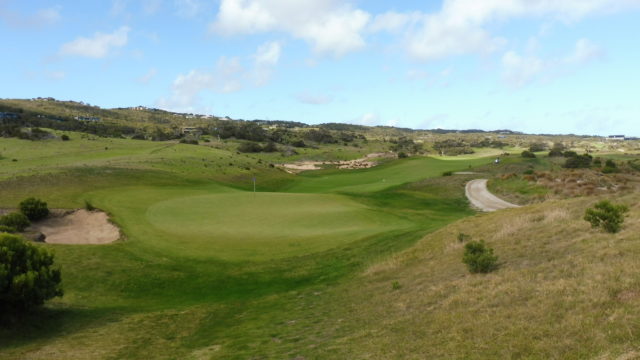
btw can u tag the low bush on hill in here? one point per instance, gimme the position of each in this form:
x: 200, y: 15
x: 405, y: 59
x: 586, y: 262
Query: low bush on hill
x: 27, y: 275
x: 606, y: 216
x: 16, y: 220
x: 479, y: 258
x: 34, y: 209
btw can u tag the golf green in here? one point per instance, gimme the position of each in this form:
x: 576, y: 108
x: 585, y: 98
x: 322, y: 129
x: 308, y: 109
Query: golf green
x: 258, y: 226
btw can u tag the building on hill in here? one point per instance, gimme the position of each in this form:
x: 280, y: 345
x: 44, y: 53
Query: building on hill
x: 616, y: 137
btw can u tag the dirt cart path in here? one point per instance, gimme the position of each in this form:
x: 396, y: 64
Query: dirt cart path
x: 481, y: 198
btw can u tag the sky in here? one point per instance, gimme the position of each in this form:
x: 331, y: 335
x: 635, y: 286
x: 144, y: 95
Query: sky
x: 537, y: 66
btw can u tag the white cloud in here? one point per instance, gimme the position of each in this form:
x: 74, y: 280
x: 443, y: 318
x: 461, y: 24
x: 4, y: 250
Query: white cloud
x: 98, y: 46
x: 331, y: 27
x: 460, y: 26
x: 368, y: 119
x: 519, y: 71
x: 314, y: 99
x: 585, y: 51
x: 228, y: 75
x: 268, y: 53
x: 39, y: 19
x: 56, y: 75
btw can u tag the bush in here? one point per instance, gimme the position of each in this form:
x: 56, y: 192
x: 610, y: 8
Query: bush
x: 606, y: 215
x: 402, y: 155
x: 65, y: 137
x: 250, y: 147
x: 610, y: 164
x: 578, y: 162
x: 15, y: 220
x: 555, y: 153
x: 536, y: 147
x: 479, y: 258
x: 447, y: 173
x: 569, y: 154
x: 528, y: 154
x: 7, y: 229
x: 34, y: 209
x: 528, y: 172
x: 188, y: 141
x: 270, y: 147
x: 27, y: 278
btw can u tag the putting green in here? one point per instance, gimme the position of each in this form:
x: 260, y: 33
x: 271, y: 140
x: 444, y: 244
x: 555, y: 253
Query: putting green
x: 241, y: 225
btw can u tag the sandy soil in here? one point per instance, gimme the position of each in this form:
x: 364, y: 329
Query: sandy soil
x: 480, y: 197
x: 362, y: 163
x: 77, y: 227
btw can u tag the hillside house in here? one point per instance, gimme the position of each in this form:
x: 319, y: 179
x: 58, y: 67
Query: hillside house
x: 191, y: 131
x: 616, y: 137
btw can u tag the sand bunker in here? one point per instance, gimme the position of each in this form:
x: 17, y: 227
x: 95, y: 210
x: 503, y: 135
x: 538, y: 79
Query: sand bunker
x: 77, y: 227
x: 362, y: 163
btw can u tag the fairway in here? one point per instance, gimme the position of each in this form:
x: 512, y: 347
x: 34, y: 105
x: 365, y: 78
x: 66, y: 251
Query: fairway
x: 244, y: 225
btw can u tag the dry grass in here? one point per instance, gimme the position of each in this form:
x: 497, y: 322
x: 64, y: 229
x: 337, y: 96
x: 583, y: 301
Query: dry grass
x: 563, y: 291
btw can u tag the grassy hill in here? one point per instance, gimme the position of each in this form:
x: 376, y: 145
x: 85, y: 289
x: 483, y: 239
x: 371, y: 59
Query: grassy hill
x: 331, y: 263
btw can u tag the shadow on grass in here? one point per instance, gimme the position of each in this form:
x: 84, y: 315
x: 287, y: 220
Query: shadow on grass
x: 48, y: 322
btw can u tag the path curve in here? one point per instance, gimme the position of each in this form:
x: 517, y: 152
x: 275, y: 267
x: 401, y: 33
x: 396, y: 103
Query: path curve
x: 481, y: 198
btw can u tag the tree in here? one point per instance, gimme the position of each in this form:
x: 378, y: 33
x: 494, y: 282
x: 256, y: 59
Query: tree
x: 34, y: 209
x: 606, y: 215
x: 528, y: 154
x: 27, y: 275
x: 577, y: 162
x: 15, y: 220
x: 479, y: 257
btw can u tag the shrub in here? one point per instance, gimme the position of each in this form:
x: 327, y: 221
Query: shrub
x: 528, y: 154
x: 250, y: 147
x: 27, y: 276
x: 569, y: 154
x: 65, y: 137
x: 555, y: 153
x: 7, y: 229
x: 479, y: 258
x: 15, y: 220
x: 270, y: 147
x: 402, y: 155
x: 536, y: 147
x: 447, y: 173
x: 610, y: 170
x: 576, y: 162
x: 528, y: 172
x: 34, y: 209
x: 610, y: 164
x: 396, y: 285
x: 606, y: 215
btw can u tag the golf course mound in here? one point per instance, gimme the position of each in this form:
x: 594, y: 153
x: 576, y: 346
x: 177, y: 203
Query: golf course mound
x: 267, y: 225
x: 78, y: 227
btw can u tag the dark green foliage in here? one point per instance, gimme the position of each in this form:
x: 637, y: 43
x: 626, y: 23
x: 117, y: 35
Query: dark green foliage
x: 299, y: 144
x: 250, y: 147
x: 65, y: 137
x: 402, y: 155
x: 528, y: 172
x: 447, y: 173
x: 528, y: 154
x: 479, y: 258
x: 15, y: 220
x: 189, y: 141
x: 597, y: 162
x: 405, y: 145
x: 536, y: 147
x: 270, y: 147
x: 7, y: 229
x: 569, y: 154
x: 606, y: 215
x: 396, y: 285
x: 610, y: 164
x: 578, y: 162
x: 27, y: 278
x: 34, y: 209
x: 321, y: 136
x: 139, y: 136
x: 555, y: 153
x: 452, y: 147
x: 610, y: 170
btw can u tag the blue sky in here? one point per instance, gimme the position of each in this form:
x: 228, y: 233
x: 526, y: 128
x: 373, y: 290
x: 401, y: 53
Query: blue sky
x: 543, y: 66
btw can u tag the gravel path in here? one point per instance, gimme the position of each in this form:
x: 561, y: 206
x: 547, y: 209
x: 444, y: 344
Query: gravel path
x: 481, y: 198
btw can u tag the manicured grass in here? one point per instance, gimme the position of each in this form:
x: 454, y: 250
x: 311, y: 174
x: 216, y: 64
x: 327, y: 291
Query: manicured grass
x: 381, y: 177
